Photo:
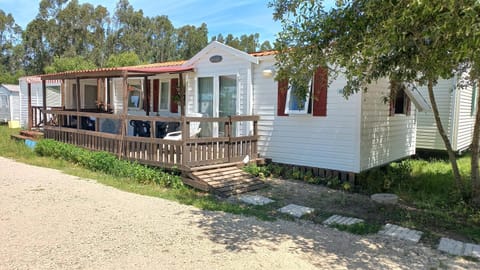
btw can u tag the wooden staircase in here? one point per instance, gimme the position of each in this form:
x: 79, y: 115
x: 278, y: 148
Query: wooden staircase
x: 28, y: 135
x: 223, y: 181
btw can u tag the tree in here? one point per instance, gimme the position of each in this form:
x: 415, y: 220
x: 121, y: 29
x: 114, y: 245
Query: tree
x: 406, y: 41
x: 160, y: 36
x: 69, y: 63
x: 123, y: 59
x: 11, y: 52
x: 266, y: 46
x: 190, y: 40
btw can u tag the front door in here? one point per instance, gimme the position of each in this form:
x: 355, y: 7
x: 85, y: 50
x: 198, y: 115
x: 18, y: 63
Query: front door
x: 217, y: 97
x: 227, y: 103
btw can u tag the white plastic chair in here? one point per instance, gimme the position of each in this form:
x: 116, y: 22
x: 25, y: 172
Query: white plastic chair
x: 194, y: 130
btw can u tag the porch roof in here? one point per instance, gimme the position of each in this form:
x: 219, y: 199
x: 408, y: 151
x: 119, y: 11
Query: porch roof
x: 147, y: 70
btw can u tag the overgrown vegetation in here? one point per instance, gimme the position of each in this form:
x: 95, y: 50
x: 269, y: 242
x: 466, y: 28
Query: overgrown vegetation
x: 429, y: 200
x: 107, y: 163
x: 358, y: 228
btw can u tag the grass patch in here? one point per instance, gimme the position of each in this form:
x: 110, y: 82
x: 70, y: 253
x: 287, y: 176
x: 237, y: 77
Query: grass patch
x: 361, y: 228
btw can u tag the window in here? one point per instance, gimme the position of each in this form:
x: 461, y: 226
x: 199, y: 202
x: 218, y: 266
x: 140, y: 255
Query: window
x: 164, y: 96
x: 473, y: 107
x: 399, y: 101
x: 134, y: 96
x: 205, y: 96
x: 91, y: 96
x: 296, y: 104
x: 315, y: 101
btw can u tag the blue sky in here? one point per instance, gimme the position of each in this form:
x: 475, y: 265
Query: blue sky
x: 221, y: 16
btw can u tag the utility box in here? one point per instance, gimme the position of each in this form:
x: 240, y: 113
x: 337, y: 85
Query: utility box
x: 14, y: 124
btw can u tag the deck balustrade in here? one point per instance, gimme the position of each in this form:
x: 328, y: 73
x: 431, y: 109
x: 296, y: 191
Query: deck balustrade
x: 115, y: 134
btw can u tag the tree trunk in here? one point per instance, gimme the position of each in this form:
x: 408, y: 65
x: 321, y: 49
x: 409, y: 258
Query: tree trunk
x: 474, y: 174
x: 446, y: 141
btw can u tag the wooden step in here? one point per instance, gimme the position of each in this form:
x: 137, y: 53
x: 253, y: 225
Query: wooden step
x: 32, y: 134
x: 224, y: 181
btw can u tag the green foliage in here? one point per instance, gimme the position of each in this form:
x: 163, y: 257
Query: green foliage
x: 123, y: 59
x: 107, y: 163
x: 69, y: 63
x: 259, y: 171
x: 358, y: 228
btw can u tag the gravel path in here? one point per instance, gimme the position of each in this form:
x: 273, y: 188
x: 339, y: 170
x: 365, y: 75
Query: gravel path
x: 49, y: 220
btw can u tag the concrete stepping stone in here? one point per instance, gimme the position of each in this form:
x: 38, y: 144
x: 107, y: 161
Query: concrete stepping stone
x: 341, y: 220
x: 401, y: 233
x: 459, y: 248
x: 255, y: 199
x: 296, y: 210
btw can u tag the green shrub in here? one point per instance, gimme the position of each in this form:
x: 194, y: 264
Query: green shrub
x: 107, y: 163
x: 259, y: 171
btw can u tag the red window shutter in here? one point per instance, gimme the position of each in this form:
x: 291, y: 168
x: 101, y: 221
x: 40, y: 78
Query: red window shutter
x: 156, y: 85
x: 282, y: 97
x: 173, y: 94
x: 320, y: 86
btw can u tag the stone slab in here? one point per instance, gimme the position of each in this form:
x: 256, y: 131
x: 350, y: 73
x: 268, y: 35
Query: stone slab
x: 255, y: 199
x: 296, y: 210
x: 459, y: 248
x: 385, y: 198
x: 337, y: 219
x: 401, y: 233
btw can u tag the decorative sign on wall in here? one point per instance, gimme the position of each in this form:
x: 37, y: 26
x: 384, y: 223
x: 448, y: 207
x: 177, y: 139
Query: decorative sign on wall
x: 216, y: 58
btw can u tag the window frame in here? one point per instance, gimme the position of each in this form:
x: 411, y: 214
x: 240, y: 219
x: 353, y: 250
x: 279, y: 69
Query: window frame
x: 136, y: 88
x: 160, y: 90
x: 305, y: 110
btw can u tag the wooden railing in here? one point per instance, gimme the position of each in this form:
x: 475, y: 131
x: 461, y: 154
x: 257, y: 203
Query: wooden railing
x: 36, y: 119
x: 105, y: 132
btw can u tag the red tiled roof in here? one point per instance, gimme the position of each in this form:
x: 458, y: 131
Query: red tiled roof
x: 264, y: 53
x: 141, y: 70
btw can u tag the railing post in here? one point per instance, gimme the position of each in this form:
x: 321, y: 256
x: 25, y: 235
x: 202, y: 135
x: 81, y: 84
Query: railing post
x: 229, y: 134
x: 184, y: 144
x: 44, y: 95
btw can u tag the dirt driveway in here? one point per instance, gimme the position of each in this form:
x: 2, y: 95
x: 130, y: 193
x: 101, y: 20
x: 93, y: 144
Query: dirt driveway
x: 49, y: 220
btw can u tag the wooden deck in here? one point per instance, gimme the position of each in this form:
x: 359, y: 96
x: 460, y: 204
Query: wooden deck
x: 191, y: 155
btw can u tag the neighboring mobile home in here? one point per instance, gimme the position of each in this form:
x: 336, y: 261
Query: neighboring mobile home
x: 457, y: 107
x: 246, y: 114
x: 9, y: 103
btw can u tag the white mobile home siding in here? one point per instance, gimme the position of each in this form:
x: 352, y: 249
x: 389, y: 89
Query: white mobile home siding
x: 53, y: 97
x: 329, y: 142
x: 454, y: 105
x: 464, y: 118
x: 230, y: 65
x: 384, y: 138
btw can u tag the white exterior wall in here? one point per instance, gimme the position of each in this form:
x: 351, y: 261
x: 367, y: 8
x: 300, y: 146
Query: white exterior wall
x: 15, y: 106
x: 330, y: 142
x: 230, y: 65
x: 384, y: 138
x: 5, y: 108
x: 454, y: 105
x: 464, y: 119
x: 53, y: 98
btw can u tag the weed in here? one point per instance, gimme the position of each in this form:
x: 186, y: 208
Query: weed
x: 361, y: 228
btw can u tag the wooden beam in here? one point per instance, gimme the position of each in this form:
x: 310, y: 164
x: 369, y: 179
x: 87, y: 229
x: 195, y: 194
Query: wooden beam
x: 109, y: 90
x: 146, y: 95
x: 124, y: 113
x: 44, y: 94
x: 29, y: 102
x: 181, y: 91
x: 77, y: 89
